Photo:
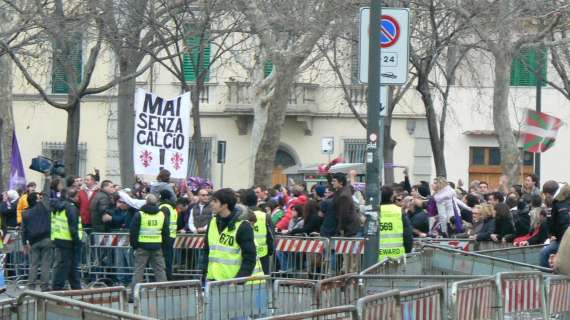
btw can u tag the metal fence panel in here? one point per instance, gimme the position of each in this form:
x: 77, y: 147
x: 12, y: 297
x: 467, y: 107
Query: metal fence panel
x: 347, y: 255
x: 337, y: 291
x: 113, y: 297
x: 301, y: 257
x: 528, y: 254
x: 475, y: 299
x: 238, y: 298
x: 558, y: 295
x: 170, y: 300
x: 425, y: 303
x: 380, y: 306
x: 290, y: 296
x: 521, y: 295
x: 110, y: 256
x: 188, y: 255
x: 334, y: 313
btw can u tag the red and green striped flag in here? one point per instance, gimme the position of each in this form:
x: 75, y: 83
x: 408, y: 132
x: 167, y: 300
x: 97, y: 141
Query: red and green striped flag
x: 540, y: 131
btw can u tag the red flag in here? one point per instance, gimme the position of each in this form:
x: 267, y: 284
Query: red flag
x: 540, y: 131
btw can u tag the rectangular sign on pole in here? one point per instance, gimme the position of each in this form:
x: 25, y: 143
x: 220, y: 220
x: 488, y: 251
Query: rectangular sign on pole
x: 162, y: 128
x: 222, y: 151
x: 394, y: 45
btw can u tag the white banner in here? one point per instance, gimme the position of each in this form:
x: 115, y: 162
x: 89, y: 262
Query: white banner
x: 162, y: 131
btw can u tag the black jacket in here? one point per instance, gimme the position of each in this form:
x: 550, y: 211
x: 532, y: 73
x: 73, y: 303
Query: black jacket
x: 244, y: 238
x: 135, y: 229
x: 101, y: 204
x: 329, y: 224
x: 72, y: 211
x: 521, y: 221
x: 312, y: 224
x: 348, y: 221
x: 541, y: 236
x: 504, y: 227
x: 560, y: 217
x: 36, y: 223
x: 9, y: 213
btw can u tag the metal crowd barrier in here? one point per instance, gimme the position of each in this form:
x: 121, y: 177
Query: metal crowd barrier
x: 334, y: 313
x: 337, y: 291
x: 424, y: 303
x: 237, y: 298
x: 475, y: 299
x: 170, y: 300
x: 347, y: 255
x: 112, y: 297
x: 441, y: 260
x: 528, y: 254
x: 16, y: 266
x: 188, y: 255
x: 301, y: 257
x: 379, y: 306
x: 558, y: 295
x: 522, y: 295
x: 454, y: 243
x: 291, y: 296
x: 110, y: 255
x: 35, y: 305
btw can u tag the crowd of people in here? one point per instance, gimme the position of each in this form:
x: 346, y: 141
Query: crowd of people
x: 240, y: 225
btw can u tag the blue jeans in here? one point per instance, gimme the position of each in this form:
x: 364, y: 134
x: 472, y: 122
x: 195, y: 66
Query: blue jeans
x: 545, y: 253
x: 124, y: 262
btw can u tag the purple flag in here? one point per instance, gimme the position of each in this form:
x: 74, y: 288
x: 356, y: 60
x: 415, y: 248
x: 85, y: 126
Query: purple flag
x: 17, y: 175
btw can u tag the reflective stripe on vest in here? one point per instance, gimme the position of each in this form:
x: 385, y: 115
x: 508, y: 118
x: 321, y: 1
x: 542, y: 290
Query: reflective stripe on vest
x: 260, y: 233
x: 224, y: 259
x: 391, y: 232
x: 60, y: 226
x: 173, y: 219
x: 151, y: 227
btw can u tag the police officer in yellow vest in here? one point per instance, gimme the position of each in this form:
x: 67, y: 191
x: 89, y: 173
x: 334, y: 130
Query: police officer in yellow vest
x: 66, y: 234
x: 262, y: 228
x: 230, y: 245
x: 168, y: 208
x: 149, y: 230
x: 396, y: 233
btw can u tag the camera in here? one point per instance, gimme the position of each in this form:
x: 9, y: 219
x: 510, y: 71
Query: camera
x: 43, y: 164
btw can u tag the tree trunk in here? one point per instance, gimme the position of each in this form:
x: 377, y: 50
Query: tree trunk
x: 197, y: 135
x: 510, y: 157
x: 6, y: 121
x: 437, y: 146
x: 267, y: 134
x: 389, y: 143
x: 72, y: 139
x: 126, y: 122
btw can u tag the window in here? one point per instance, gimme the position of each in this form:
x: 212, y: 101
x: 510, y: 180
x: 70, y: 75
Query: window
x: 477, y: 156
x: 55, y: 151
x: 267, y: 68
x: 192, y: 55
x: 491, y: 156
x: 525, y: 65
x: 355, y: 150
x: 494, y: 157
x: 193, y: 165
x: 72, y: 54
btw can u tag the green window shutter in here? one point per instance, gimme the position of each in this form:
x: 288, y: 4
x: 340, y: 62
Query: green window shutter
x: 524, y: 66
x: 190, y: 59
x: 60, y: 83
x: 267, y: 68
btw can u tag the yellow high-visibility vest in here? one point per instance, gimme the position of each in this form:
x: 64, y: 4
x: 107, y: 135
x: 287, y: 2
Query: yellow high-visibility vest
x: 224, y: 259
x: 151, y: 227
x: 60, y: 226
x: 260, y: 233
x: 391, y: 232
x: 173, y: 219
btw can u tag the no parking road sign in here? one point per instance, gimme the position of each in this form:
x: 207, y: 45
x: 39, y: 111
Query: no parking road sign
x: 394, y: 43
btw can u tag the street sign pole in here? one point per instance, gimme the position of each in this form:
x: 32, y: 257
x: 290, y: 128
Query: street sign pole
x: 375, y: 140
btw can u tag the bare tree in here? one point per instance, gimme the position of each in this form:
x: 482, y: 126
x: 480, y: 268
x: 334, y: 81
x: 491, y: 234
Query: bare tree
x: 494, y: 24
x: 6, y: 114
x: 287, y: 32
x: 203, y: 32
x: 59, y: 24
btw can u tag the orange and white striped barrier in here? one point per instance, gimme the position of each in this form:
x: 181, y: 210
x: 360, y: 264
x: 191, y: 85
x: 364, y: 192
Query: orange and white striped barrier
x: 522, y: 293
x: 558, y: 292
x: 474, y: 299
x: 189, y: 241
x: 423, y: 304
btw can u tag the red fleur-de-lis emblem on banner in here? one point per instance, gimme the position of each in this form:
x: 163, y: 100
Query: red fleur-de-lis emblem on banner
x: 146, y: 158
x: 177, y: 160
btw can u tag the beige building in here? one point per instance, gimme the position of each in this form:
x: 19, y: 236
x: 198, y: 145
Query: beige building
x: 316, y: 110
